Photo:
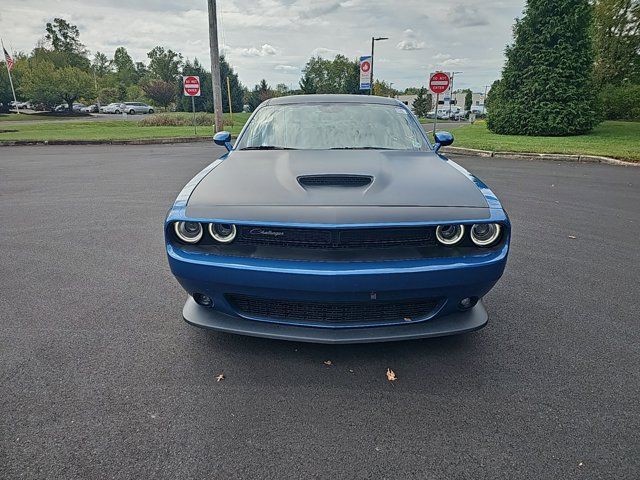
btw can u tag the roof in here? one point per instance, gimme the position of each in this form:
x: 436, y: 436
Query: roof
x: 291, y: 99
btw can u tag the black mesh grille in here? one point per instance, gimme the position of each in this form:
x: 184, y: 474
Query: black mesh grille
x: 337, y: 239
x: 333, y: 313
x: 334, y: 180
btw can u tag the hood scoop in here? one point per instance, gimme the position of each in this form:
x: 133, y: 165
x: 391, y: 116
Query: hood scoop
x: 335, y: 180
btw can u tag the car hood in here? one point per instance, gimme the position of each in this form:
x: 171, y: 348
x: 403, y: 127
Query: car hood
x: 257, y: 180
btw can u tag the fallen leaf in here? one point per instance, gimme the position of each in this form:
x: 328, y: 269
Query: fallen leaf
x: 573, y: 237
x: 580, y: 464
x: 350, y: 371
x: 328, y: 362
x: 391, y: 375
x: 220, y: 377
x: 407, y: 319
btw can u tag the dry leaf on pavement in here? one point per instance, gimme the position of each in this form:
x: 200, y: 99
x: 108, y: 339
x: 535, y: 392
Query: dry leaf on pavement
x: 327, y: 362
x: 220, y: 377
x: 391, y: 375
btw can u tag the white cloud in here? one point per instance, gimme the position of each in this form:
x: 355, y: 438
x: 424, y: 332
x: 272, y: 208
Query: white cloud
x: 410, y: 45
x: 263, y: 51
x: 287, y: 68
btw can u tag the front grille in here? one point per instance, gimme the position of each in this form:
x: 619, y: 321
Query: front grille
x: 337, y: 239
x: 333, y: 313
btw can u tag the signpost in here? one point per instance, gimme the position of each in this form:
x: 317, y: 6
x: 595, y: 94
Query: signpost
x: 439, y: 82
x: 191, y: 88
x: 365, y: 72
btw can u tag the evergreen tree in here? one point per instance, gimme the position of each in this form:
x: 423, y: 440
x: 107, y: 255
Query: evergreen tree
x: 306, y: 84
x: 547, y: 83
x: 422, y: 103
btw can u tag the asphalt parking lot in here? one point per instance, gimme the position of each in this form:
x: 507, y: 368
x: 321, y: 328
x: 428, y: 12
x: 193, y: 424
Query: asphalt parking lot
x: 101, y: 378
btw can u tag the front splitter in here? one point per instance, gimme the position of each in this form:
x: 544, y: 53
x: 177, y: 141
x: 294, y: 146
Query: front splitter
x: 452, y: 324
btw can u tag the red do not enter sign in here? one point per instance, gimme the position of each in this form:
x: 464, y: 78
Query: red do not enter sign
x: 439, y: 82
x: 191, y: 84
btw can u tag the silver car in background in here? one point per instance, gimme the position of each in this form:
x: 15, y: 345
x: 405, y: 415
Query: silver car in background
x: 136, y: 107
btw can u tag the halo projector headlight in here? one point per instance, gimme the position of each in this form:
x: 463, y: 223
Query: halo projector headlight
x: 484, y: 234
x: 449, y: 234
x: 188, y: 232
x: 222, y: 232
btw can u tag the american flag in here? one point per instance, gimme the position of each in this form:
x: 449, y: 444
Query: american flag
x: 8, y: 59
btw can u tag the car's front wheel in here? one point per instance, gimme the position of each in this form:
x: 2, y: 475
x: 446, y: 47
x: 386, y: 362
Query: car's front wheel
x: 117, y: 112
x: 132, y: 112
x: 151, y: 110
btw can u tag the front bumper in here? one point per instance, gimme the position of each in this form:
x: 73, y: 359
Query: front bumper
x: 447, y: 279
x: 455, y: 323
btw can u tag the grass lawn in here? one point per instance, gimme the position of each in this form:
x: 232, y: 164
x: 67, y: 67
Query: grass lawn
x: 103, y: 130
x: 610, y: 139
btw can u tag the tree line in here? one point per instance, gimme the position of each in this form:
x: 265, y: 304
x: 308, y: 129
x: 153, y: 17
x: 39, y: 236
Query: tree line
x: 60, y: 70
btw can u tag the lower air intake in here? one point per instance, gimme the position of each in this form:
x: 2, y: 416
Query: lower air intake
x: 333, y: 314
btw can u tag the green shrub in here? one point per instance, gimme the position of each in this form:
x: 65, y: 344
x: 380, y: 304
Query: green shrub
x: 620, y: 102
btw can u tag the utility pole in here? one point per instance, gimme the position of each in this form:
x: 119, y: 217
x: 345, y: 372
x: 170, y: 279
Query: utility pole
x: 215, y: 65
x: 373, y: 43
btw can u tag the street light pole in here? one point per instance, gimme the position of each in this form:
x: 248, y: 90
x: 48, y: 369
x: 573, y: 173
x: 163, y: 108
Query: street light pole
x: 373, y: 43
x: 453, y: 75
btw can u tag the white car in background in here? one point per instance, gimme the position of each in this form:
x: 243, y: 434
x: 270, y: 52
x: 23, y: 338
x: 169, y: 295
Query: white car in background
x: 111, y: 108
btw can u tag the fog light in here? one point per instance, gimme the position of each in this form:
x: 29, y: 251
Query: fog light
x: 203, y: 300
x: 467, y: 303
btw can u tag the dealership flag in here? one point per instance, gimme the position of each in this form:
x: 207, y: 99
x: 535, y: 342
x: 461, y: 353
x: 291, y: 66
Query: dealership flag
x: 8, y: 59
x: 10, y: 62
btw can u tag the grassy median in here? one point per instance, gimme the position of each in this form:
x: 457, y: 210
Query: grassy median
x: 609, y: 139
x: 111, y: 130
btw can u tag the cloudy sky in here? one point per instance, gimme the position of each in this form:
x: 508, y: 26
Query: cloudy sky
x: 273, y: 39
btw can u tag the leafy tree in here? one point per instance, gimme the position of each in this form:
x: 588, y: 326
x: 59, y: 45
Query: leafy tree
x: 617, y: 41
x: 306, y: 84
x: 108, y: 95
x: 547, y: 82
x: 101, y: 65
x: 164, y: 64
x: 64, y: 37
x: 339, y: 75
x: 383, y: 89
x: 161, y: 92
x: 44, y: 83
x: 125, y: 70
x: 282, y: 90
x: 412, y: 90
x: 422, y: 103
x: 468, y: 100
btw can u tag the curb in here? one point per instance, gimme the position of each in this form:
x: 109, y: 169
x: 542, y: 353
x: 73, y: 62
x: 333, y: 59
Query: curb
x: 142, y: 141
x: 539, y: 156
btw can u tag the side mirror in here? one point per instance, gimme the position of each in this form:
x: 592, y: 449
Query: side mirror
x: 223, y: 139
x: 443, y: 139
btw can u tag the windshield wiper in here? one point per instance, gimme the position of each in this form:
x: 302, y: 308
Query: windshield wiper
x: 360, y: 148
x: 267, y: 147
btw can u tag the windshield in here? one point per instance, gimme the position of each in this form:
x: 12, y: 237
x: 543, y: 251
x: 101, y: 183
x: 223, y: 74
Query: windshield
x: 322, y: 126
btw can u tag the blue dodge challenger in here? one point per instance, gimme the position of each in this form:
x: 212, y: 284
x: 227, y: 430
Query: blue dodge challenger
x: 333, y: 219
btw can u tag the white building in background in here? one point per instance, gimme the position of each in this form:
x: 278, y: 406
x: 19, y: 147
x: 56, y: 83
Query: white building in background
x: 456, y: 100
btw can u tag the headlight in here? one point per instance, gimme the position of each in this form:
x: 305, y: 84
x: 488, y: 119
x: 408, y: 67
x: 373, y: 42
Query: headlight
x: 484, y: 234
x: 449, y: 234
x: 188, y: 232
x: 222, y: 232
